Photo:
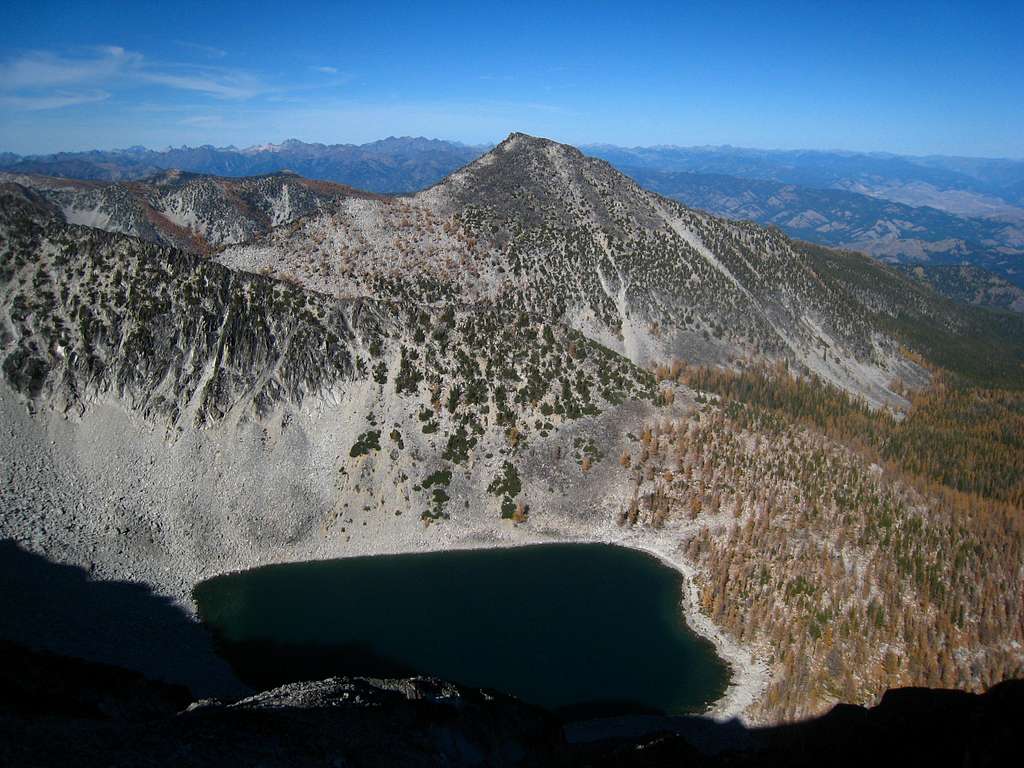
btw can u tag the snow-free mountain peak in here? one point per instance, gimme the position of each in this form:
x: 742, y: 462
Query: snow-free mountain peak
x: 538, y: 227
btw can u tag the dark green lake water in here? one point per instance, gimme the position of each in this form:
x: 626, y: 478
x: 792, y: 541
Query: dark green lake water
x: 584, y: 629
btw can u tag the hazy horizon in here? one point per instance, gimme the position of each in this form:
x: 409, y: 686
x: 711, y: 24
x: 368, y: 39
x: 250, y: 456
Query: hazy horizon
x: 489, y: 144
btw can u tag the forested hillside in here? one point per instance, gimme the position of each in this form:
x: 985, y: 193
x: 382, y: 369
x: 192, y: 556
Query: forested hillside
x: 853, y: 547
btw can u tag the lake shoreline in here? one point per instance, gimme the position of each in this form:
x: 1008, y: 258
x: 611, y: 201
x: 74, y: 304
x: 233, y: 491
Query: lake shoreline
x: 748, y: 676
x: 201, y: 513
x: 558, y: 625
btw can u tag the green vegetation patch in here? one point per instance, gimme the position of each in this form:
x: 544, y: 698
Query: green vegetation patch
x: 508, y: 485
x: 440, y: 477
x: 366, y: 442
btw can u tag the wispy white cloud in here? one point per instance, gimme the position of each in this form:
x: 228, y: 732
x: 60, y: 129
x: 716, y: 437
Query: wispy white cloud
x: 42, y: 69
x: 222, y: 84
x: 54, y: 100
x: 46, y: 80
x: 326, y: 70
x: 202, y: 121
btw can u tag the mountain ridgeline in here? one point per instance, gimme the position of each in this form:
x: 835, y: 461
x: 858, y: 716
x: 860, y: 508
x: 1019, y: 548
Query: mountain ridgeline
x: 188, y: 211
x: 390, y: 165
x: 911, y: 210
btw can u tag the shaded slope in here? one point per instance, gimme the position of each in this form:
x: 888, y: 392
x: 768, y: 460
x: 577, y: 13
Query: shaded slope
x: 421, y: 721
x: 59, y: 608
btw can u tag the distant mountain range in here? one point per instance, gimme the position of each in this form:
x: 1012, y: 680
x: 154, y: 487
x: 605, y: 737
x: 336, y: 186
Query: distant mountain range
x: 392, y: 165
x: 971, y: 186
x: 909, y: 210
x: 942, y: 210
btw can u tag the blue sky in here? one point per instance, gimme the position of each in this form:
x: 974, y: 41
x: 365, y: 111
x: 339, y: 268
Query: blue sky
x: 916, y: 78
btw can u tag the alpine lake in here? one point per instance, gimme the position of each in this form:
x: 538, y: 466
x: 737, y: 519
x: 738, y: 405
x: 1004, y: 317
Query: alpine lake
x: 584, y: 630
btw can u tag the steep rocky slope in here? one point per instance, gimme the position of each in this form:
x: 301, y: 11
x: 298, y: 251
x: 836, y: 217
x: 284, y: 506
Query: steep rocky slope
x: 185, y: 210
x: 188, y: 343
x: 975, y: 344
x: 536, y: 226
x: 891, y: 231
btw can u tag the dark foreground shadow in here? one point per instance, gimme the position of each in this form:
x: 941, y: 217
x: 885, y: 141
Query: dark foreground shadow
x: 909, y: 727
x: 59, y: 608
x: 67, y: 712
